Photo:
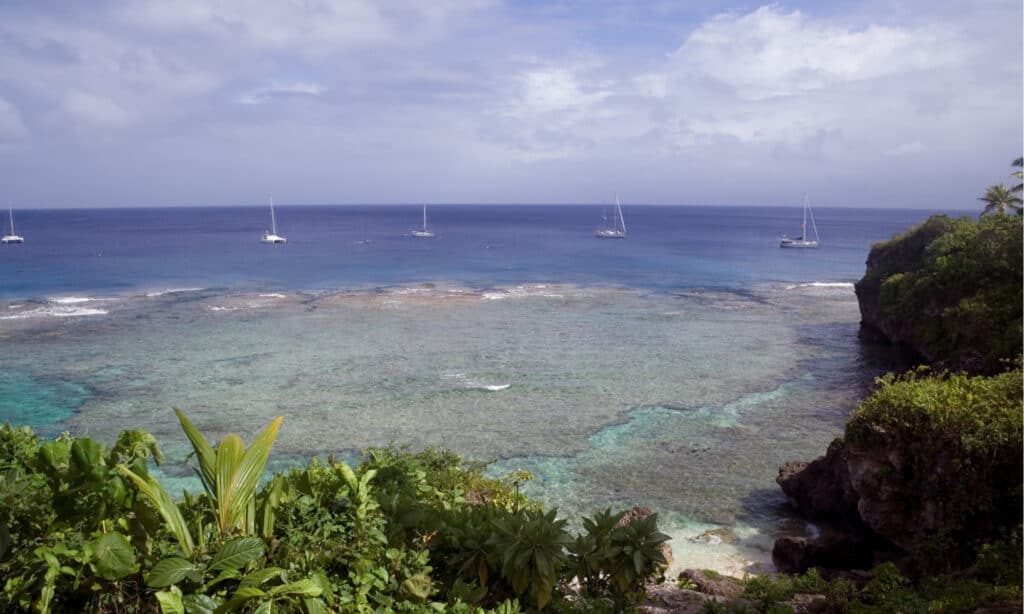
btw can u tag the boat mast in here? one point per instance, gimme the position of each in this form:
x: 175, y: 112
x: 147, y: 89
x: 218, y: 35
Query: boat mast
x: 813, y: 225
x: 10, y: 210
x: 803, y: 226
x: 618, y: 209
x: 424, y: 217
x: 273, y: 220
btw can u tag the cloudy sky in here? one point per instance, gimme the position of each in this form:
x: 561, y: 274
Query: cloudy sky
x: 874, y: 103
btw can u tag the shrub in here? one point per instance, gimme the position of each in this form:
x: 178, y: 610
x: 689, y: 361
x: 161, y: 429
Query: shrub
x: 960, y: 440
x: 952, y: 289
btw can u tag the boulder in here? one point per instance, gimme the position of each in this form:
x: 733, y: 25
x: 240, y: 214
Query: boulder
x: 711, y: 583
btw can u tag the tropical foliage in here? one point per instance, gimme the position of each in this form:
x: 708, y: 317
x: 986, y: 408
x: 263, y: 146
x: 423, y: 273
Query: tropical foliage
x: 84, y: 527
x: 959, y: 440
x: 993, y: 582
x: 1018, y: 174
x: 1000, y: 199
x: 952, y: 288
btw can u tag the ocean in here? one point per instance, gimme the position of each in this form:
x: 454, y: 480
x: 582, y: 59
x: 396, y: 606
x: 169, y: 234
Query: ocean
x: 675, y: 369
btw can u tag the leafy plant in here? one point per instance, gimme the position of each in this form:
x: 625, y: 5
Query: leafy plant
x: 533, y: 553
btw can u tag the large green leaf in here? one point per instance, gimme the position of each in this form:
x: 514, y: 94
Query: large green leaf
x: 248, y: 470
x: 314, y: 606
x: 272, y: 496
x: 114, y: 556
x: 55, y: 455
x: 204, y: 453
x: 230, y: 451
x: 170, y: 571
x: 303, y: 588
x: 257, y: 578
x: 170, y: 601
x: 239, y: 598
x: 87, y: 458
x: 201, y: 604
x: 267, y: 607
x: 165, y: 506
x: 236, y: 553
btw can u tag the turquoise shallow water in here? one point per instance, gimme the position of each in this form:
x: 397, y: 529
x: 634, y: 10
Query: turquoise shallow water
x: 684, y: 400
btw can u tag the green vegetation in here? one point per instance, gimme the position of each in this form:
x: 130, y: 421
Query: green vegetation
x: 1001, y: 200
x: 951, y: 289
x: 887, y: 591
x: 84, y: 527
x: 959, y: 440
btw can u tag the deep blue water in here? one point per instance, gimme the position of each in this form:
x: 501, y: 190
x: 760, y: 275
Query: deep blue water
x: 120, y: 250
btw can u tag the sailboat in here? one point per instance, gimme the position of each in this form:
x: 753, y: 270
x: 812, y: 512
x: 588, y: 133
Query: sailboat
x: 803, y: 240
x: 10, y: 237
x: 423, y: 233
x: 271, y: 235
x: 617, y: 230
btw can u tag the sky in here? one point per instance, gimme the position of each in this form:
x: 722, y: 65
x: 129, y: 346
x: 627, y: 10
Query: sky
x: 700, y: 102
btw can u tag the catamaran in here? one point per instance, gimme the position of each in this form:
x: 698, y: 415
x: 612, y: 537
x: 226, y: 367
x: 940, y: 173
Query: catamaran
x: 423, y: 233
x: 10, y: 237
x: 802, y: 240
x: 271, y: 235
x: 617, y: 230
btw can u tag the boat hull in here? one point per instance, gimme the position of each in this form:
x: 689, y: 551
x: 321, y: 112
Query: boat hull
x: 798, y: 244
x: 269, y: 238
x: 422, y: 234
x: 11, y: 239
x: 610, y: 234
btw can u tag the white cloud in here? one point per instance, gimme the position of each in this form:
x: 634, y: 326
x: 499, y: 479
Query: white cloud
x: 98, y: 110
x: 313, y: 28
x: 652, y: 85
x: 769, y: 52
x: 265, y: 95
x: 11, y: 126
x: 551, y: 97
x: 554, y: 89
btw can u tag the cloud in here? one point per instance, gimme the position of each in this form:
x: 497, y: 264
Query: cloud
x: 493, y: 100
x: 769, y: 52
x: 315, y: 29
x: 265, y: 95
x: 554, y: 89
x: 93, y: 109
x: 11, y: 126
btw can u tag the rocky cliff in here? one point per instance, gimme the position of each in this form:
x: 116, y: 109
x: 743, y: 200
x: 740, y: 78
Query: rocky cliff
x: 949, y: 290
x: 923, y: 460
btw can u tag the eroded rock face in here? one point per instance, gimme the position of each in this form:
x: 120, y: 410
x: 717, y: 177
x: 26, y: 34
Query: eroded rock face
x: 885, y: 260
x: 868, y: 496
x: 830, y: 550
x: 859, y: 495
x: 821, y: 488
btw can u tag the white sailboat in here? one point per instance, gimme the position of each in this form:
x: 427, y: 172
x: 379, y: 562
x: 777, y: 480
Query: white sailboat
x: 423, y: 233
x: 617, y: 230
x: 271, y: 235
x: 803, y: 240
x: 10, y: 237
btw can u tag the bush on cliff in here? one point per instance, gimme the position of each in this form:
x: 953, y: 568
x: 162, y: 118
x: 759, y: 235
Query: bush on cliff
x: 959, y: 442
x: 951, y: 290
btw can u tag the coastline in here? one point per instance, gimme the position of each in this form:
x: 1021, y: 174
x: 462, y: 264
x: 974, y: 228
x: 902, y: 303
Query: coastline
x: 684, y: 401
